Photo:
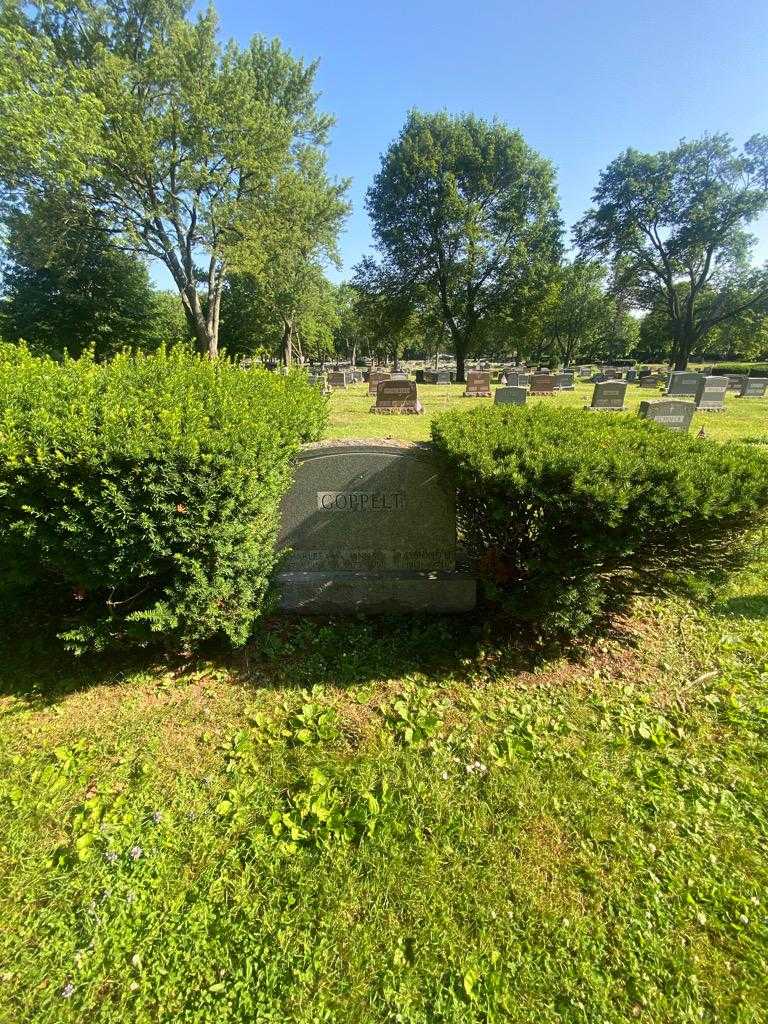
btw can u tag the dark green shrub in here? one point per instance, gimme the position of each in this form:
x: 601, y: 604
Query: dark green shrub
x: 140, y: 498
x: 748, y: 369
x: 563, y: 511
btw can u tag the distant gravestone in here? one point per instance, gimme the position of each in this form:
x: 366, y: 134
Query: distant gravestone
x: 399, y: 375
x: 609, y: 395
x: 672, y: 413
x: 542, y: 383
x: 649, y: 380
x: 631, y: 376
x: 585, y: 372
x: 736, y: 381
x: 337, y: 379
x: 710, y: 394
x: 644, y: 371
x: 754, y: 387
x: 419, y: 376
x: 437, y: 377
x: 374, y: 379
x: 478, y: 384
x: 564, y: 382
x: 510, y: 395
x: 598, y: 378
x: 397, y: 397
x: 684, y: 383
x: 370, y: 526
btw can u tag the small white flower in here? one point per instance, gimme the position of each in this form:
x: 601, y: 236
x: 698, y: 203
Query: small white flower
x: 68, y: 990
x: 135, y: 852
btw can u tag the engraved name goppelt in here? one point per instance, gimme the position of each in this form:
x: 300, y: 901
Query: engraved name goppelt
x: 361, y: 501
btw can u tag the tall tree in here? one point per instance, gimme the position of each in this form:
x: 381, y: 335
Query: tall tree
x: 466, y: 209
x: 201, y: 144
x: 577, y: 313
x: 68, y: 286
x: 673, y: 227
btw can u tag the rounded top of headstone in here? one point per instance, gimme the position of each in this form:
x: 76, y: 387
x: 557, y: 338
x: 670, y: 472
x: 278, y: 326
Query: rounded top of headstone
x: 345, y: 445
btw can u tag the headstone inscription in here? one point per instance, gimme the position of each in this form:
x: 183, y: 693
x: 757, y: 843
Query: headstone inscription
x: 542, y: 383
x: 672, y: 413
x: 609, y: 395
x: 397, y: 396
x: 337, y: 379
x: 510, y: 395
x: 710, y: 394
x: 478, y: 384
x: 754, y: 387
x: 374, y: 378
x: 683, y: 383
x: 370, y: 526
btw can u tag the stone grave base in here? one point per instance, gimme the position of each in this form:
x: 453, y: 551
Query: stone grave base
x: 477, y: 394
x: 597, y: 408
x: 410, y: 411
x: 541, y: 394
x: 324, y: 593
x: 704, y: 409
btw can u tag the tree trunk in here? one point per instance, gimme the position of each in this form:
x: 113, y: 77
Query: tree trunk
x: 287, y: 342
x: 460, y: 356
x: 683, y: 343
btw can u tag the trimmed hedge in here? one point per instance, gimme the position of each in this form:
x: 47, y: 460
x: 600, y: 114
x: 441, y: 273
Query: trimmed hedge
x: 563, y: 511
x: 747, y: 369
x: 140, y: 498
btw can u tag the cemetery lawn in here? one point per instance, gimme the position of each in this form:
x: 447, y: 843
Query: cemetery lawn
x: 392, y: 821
x: 351, y: 417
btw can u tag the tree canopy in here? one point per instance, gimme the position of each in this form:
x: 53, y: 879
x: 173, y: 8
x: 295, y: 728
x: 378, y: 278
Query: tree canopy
x: 196, y: 150
x: 672, y: 226
x: 466, y: 210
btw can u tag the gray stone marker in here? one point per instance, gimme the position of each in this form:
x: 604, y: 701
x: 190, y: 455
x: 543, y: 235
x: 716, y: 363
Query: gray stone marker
x: 649, y: 380
x: 478, y: 384
x: 683, y: 383
x: 564, y: 382
x: 541, y: 383
x: 337, y: 379
x: 437, y: 376
x: 609, y: 395
x: 631, y: 376
x: 754, y: 387
x: 397, y: 396
x: 585, y: 372
x: 672, y: 413
x: 736, y: 381
x: 710, y: 395
x: 374, y: 378
x: 370, y: 526
x: 510, y: 395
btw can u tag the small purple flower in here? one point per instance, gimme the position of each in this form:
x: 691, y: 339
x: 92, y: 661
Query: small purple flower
x: 157, y: 817
x: 68, y: 990
x: 110, y: 856
x: 135, y: 852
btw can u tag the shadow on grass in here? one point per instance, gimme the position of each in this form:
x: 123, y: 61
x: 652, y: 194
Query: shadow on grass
x: 751, y: 606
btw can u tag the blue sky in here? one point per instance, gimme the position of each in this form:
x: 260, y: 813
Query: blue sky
x: 581, y: 81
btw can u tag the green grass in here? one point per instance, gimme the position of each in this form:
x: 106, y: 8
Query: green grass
x: 351, y: 416
x: 395, y: 821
